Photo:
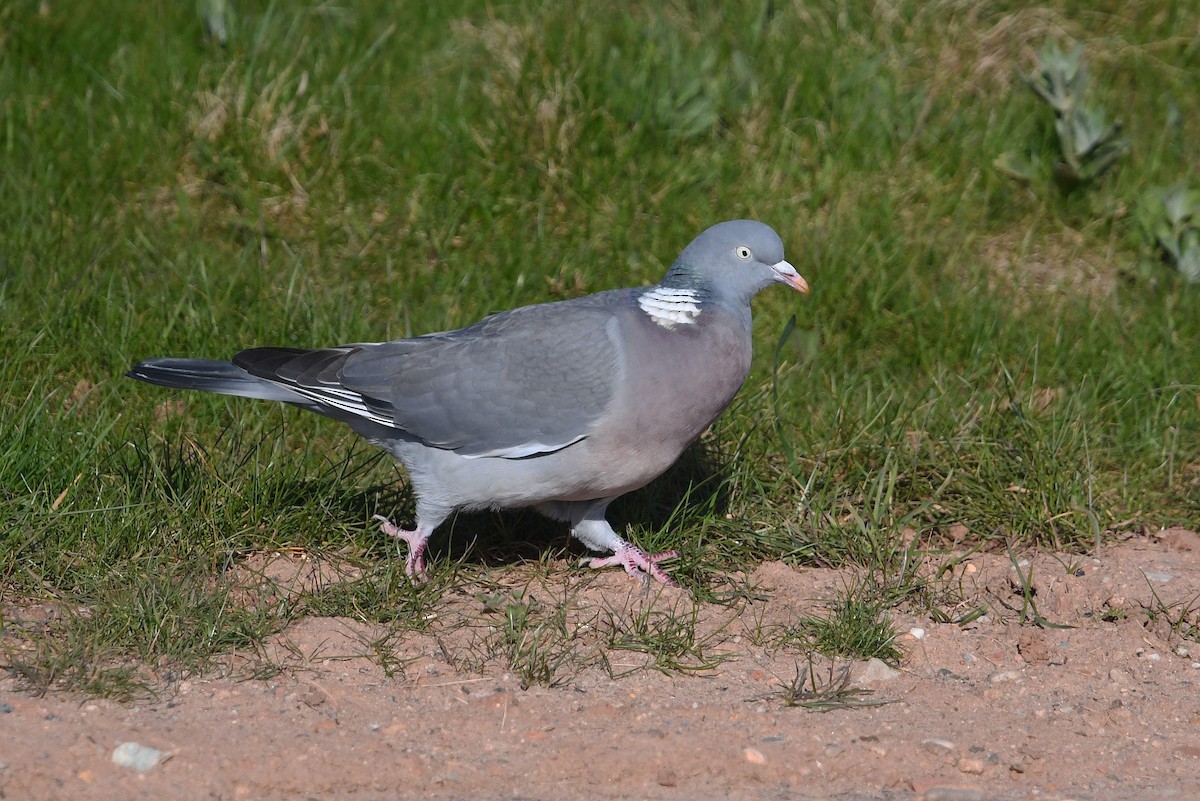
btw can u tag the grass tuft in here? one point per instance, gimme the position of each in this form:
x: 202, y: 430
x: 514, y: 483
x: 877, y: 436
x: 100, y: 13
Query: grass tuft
x: 824, y: 692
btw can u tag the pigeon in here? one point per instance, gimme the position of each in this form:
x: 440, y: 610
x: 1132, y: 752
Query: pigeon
x: 560, y: 406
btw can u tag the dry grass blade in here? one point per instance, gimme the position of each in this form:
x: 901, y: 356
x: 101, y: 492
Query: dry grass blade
x: 824, y: 692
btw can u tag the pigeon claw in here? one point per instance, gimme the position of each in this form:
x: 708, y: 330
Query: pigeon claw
x: 637, y: 563
x: 414, y: 562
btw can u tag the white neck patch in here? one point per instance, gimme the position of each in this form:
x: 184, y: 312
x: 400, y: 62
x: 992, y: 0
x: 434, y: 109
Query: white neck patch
x: 670, y: 307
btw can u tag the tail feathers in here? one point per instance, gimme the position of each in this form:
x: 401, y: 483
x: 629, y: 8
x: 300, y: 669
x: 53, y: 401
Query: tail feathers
x: 207, y: 375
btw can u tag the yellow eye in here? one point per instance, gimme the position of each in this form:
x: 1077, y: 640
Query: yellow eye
x: 742, y: 252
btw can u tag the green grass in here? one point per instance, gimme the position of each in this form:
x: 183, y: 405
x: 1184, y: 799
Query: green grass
x: 974, y: 352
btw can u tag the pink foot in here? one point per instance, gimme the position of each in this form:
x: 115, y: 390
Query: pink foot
x: 636, y: 562
x: 414, y: 562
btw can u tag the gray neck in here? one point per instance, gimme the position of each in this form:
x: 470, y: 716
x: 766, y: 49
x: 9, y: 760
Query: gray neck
x: 682, y: 276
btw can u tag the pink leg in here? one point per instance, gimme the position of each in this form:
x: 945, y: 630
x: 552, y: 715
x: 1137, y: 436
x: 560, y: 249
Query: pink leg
x: 414, y: 562
x: 636, y: 562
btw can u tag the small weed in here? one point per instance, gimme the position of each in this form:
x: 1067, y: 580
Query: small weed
x: 1170, y: 221
x: 1029, y: 612
x: 533, y: 638
x: 382, y: 651
x: 1072, y: 564
x: 383, y: 595
x: 856, y: 628
x: 824, y: 693
x: 668, y: 638
x: 1089, y: 145
x: 944, y: 598
x: 1170, y: 621
x: 66, y: 656
x: 1113, y: 614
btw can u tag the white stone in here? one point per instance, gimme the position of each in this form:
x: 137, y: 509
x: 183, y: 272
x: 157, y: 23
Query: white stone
x: 137, y: 756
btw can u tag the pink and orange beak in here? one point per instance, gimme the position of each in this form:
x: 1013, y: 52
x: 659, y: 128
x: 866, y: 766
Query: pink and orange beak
x: 786, y: 273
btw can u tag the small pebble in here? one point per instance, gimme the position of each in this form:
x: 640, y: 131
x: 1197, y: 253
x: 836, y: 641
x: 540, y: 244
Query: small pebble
x: 973, y: 766
x: 952, y: 794
x: 1004, y: 676
x: 876, y: 670
x: 136, y: 756
x: 937, y: 746
x: 754, y: 756
x: 1155, y: 575
x: 917, y: 633
x: 6, y: 708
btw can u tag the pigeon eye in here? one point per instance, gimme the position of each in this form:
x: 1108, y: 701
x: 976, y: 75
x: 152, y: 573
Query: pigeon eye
x: 742, y: 252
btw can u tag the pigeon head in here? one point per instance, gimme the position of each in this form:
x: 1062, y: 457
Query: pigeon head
x: 731, y: 262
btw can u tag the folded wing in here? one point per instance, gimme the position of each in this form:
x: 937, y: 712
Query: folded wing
x: 517, y: 384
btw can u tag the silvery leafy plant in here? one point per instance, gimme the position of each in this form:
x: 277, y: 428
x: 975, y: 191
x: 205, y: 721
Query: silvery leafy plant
x: 1171, y: 220
x: 1089, y: 144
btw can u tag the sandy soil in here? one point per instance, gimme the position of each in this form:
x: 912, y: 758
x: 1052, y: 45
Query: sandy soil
x: 1108, y: 709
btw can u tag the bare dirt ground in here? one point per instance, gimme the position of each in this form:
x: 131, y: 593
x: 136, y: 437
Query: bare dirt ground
x: 993, y: 709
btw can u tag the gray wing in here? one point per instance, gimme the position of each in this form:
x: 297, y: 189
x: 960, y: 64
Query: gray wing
x: 527, y: 381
